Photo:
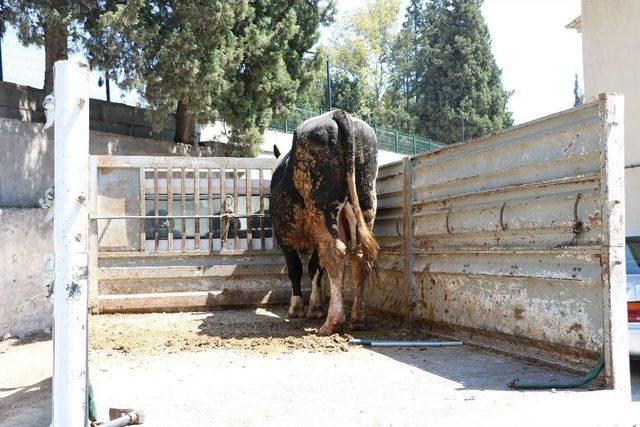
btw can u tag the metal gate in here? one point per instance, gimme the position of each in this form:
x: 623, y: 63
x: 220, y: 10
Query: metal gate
x: 171, y: 233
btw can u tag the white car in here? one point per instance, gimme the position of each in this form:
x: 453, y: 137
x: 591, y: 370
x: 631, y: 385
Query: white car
x: 633, y: 293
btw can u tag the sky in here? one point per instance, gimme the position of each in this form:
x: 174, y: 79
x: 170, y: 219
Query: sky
x: 538, y: 56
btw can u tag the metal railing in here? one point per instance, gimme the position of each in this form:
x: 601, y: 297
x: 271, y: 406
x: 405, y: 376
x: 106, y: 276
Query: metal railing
x: 388, y: 139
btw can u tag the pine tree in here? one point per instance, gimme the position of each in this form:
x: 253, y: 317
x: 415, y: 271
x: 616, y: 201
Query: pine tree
x: 405, y: 69
x: 274, y: 67
x: 460, y: 76
x: 408, y: 42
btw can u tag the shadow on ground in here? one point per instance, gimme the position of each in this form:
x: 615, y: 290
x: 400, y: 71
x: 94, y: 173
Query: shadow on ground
x: 36, y: 397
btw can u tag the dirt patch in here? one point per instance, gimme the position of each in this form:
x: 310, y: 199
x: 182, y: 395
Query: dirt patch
x: 262, y: 331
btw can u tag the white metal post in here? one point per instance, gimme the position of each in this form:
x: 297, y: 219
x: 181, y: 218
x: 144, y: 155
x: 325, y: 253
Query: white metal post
x: 71, y: 227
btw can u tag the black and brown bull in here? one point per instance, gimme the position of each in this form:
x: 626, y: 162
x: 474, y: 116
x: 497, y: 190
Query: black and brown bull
x: 323, y: 199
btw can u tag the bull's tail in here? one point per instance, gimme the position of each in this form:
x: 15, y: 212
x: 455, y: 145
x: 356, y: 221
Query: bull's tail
x: 366, y: 242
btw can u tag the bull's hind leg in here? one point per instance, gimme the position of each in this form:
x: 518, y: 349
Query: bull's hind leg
x: 316, y: 306
x: 359, y: 275
x: 332, y: 254
x: 294, y: 268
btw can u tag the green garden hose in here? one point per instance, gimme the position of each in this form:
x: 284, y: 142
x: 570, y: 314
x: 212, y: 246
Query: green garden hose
x: 518, y: 384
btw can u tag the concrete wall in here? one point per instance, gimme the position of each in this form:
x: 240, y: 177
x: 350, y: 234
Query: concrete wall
x: 610, y: 48
x: 26, y: 150
x: 26, y: 241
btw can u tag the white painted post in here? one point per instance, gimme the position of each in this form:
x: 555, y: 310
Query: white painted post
x: 71, y: 227
x: 614, y: 279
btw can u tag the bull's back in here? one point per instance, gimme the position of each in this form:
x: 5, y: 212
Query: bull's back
x: 311, y: 179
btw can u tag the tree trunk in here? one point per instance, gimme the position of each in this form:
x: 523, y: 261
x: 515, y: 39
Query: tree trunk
x: 55, y: 49
x: 185, y: 123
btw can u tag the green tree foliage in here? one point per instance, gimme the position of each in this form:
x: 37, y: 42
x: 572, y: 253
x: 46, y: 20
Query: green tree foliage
x: 178, y: 54
x: 48, y: 23
x: 275, y: 65
x: 240, y: 61
x: 360, y: 58
x: 406, y: 63
x: 460, y: 76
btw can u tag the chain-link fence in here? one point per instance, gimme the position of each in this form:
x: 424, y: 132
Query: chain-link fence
x: 24, y: 65
x: 388, y: 139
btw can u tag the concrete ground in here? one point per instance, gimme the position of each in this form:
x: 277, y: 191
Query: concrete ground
x: 284, y: 375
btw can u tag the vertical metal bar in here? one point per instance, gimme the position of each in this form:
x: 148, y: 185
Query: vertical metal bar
x: 249, y: 211
x: 143, y: 236
x: 93, y: 235
x: 183, y: 208
x: 156, y: 211
x: 273, y: 235
x: 170, y: 222
x: 223, y: 190
x: 107, y: 86
x: 613, y: 274
x: 261, y: 191
x: 329, y: 95
x: 196, y: 207
x: 236, y: 241
x: 210, y: 199
x: 414, y: 143
x: 407, y: 242
x: 397, y: 147
x: 1, y: 70
x: 71, y: 210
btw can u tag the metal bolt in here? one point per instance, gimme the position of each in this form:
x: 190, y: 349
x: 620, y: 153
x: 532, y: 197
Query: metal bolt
x: 82, y: 198
x: 81, y: 102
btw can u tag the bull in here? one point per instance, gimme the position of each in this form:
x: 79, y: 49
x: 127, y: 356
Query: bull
x: 323, y: 200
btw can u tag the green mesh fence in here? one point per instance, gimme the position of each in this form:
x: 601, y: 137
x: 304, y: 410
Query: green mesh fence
x: 388, y: 139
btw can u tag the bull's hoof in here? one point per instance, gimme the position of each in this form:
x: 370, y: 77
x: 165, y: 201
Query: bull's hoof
x: 315, y: 312
x: 331, y: 327
x: 297, y: 312
x: 327, y: 330
x: 357, y: 324
x: 296, y: 307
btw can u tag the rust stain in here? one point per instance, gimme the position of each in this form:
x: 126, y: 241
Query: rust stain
x: 575, y: 328
x: 518, y: 310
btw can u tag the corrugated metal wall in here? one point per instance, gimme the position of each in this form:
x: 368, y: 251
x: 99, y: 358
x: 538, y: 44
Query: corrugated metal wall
x: 507, y: 236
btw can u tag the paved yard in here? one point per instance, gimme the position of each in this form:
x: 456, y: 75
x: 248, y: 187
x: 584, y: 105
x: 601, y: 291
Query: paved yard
x: 248, y: 368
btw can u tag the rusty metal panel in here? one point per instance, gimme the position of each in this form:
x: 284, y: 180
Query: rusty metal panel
x: 389, y: 293
x: 181, y: 261
x: 508, y: 232
x: 117, y: 193
x: 519, y: 236
x: 388, y: 226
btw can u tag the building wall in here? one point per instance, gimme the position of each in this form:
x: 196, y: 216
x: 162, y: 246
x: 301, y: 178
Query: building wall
x: 610, y: 45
